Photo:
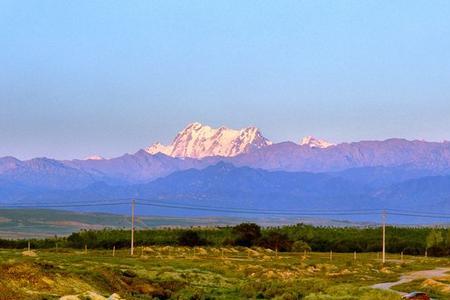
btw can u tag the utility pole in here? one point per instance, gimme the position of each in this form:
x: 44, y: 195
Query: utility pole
x: 132, y: 227
x: 384, y: 236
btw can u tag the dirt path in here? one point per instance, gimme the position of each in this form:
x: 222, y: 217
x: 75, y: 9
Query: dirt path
x: 426, y: 274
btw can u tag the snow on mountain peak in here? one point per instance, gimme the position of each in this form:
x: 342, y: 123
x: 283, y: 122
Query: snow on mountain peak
x: 198, y: 141
x: 313, y: 142
x: 94, y: 157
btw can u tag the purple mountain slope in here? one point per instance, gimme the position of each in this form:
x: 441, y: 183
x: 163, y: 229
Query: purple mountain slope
x: 135, y: 168
x: 43, y: 173
x: 390, y: 153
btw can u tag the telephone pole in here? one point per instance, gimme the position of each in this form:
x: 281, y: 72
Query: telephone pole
x: 132, y: 227
x: 384, y: 236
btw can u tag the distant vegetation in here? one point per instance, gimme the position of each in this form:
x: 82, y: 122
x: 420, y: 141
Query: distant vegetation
x: 298, y: 237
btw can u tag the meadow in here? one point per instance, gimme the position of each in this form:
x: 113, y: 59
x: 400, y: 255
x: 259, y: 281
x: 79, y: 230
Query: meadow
x: 175, y: 272
x: 245, y: 261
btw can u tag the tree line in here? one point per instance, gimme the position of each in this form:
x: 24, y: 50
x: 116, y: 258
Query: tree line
x: 299, y: 237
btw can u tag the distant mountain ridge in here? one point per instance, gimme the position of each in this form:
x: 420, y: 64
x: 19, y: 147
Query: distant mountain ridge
x: 199, y: 146
x: 313, y: 142
x: 224, y: 185
x: 379, y: 172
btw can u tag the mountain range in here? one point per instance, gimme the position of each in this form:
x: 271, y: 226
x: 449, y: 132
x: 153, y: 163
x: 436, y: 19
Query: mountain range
x: 242, y: 168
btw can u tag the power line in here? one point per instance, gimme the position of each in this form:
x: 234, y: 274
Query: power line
x: 255, y: 211
x: 259, y: 212
x: 66, y: 205
x: 142, y: 201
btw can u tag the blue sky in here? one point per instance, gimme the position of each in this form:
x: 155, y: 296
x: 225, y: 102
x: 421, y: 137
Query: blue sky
x: 109, y: 77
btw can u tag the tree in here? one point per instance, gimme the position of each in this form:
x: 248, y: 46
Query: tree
x: 435, y: 243
x: 300, y: 246
x: 246, y: 234
x: 276, y: 241
x: 434, y: 239
x: 190, y: 238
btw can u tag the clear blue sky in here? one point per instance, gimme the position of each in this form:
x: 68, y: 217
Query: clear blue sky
x: 109, y: 77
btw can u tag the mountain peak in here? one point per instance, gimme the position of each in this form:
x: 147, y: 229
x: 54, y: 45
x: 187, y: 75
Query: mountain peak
x: 313, y: 142
x: 198, y: 141
x: 94, y: 157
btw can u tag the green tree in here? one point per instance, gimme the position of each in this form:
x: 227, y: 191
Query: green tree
x: 276, y: 241
x: 190, y: 238
x: 434, y: 239
x: 300, y: 246
x: 246, y: 234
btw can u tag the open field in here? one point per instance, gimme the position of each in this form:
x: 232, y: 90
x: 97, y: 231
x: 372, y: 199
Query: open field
x: 209, y: 273
x: 44, y: 223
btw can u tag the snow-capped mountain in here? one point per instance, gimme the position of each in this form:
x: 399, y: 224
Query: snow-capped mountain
x: 94, y: 157
x: 313, y: 142
x: 199, y: 141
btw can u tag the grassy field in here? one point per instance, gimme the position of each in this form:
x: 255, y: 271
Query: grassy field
x: 205, y: 273
x: 44, y: 223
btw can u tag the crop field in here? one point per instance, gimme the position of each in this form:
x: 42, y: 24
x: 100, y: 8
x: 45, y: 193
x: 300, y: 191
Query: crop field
x: 177, y: 272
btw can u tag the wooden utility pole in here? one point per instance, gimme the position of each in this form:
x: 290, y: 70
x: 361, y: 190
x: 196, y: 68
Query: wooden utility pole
x: 384, y: 237
x: 132, y: 227
x: 114, y: 250
x: 29, y: 246
x: 354, y: 255
x: 331, y: 255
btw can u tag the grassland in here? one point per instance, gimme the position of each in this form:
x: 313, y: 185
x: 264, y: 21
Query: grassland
x: 44, y: 223
x: 205, y: 273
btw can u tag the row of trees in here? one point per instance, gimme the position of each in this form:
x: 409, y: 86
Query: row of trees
x: 409, y: 240
x: 248, y: 235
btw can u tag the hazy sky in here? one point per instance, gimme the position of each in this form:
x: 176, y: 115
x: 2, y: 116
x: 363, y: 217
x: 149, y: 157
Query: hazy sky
x: 109, y: 77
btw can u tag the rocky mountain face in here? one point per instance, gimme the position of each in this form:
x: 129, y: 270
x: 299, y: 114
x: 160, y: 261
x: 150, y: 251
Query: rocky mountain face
x: 199, y: 141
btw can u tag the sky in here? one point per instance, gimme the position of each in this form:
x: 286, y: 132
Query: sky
x: 79, y: 78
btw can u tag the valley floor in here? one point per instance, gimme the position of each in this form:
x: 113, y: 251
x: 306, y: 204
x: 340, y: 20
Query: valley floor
x: 210, y: 273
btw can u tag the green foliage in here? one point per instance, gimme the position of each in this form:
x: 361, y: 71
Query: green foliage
x: 246, y: 234
x: 409, y: 240
x: 276, y: 241
x: 434, y: 239
x: 300, y: 246
x: 190, y: 238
